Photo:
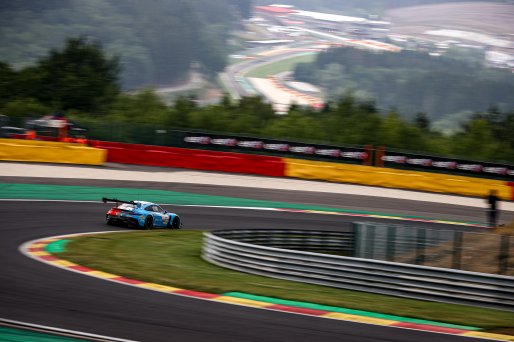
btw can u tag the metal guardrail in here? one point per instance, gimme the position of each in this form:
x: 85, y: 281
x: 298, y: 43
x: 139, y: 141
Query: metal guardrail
x: 411, y: 281
x: 341, y: 243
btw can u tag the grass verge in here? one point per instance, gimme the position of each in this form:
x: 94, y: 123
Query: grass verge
x: 280, y: 66
x: 173, y: 258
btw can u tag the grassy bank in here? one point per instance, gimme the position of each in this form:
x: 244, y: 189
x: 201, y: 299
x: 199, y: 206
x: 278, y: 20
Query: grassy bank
x: 280, y: 66
x: 173, y: 258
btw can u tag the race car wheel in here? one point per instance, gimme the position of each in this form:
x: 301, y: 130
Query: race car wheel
x: 111, y: 222
x: 149, y: 222
x: 175, y: 224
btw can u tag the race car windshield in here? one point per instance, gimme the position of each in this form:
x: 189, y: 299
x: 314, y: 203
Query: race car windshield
x: 126, y: 206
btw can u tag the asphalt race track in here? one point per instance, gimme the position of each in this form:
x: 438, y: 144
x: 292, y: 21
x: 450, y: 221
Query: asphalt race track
x: 36, y: 293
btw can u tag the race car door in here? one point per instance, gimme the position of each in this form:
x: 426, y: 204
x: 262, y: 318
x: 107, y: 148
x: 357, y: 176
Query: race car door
x: 160, y: 219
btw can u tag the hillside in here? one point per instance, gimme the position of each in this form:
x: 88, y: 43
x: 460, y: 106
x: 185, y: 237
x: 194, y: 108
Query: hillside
x: 411, y: 81
x: 156, y: 40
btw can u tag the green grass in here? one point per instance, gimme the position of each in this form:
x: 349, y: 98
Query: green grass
x: 19, y: 335
x: 174, y: 258
x: 280, y: 66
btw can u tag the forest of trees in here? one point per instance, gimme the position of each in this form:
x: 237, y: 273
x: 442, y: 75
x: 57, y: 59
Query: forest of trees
x: 77, y: 77
x: 81, y: 80
x: 156, y: 40
x: 411, y: 81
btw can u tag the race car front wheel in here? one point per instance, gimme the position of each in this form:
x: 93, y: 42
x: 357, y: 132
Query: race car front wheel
x: 149, y: 222
x: 175, y: 224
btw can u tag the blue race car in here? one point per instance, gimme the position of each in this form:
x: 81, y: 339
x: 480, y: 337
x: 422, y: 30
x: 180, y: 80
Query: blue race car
x: 141, y: 214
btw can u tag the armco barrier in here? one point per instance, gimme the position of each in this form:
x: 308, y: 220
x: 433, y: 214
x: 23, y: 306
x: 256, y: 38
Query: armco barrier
x: 393, y: 178
x: 192, y: 159
x: 278, y: 148
x: 50, y: 152
x: 304, y: 240
x: 427, y: 163
x: 420, y: 282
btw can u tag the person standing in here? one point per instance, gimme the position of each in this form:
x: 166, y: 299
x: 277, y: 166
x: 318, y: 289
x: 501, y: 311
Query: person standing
x: 492, y: 212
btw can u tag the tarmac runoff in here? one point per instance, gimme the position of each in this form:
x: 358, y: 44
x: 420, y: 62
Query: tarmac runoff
x: 72, y: 193
x: 47, y: 249
x: 121, y: 172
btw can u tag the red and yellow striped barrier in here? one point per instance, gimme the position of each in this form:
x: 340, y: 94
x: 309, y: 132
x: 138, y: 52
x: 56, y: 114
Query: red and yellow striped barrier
x: 50, y: 152
x: 60, y: 152
x: 392, y: 178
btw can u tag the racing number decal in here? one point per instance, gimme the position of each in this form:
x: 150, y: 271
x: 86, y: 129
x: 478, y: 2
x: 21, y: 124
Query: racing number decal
x: 165, y: 219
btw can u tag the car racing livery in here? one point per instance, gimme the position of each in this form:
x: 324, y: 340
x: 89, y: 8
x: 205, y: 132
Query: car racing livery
x: 141, y: 214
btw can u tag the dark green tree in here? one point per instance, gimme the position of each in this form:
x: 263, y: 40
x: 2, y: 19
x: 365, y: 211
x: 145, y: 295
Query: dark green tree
x: 422, y: 121
x: 7, y: 81
x: 477, y: 141
x: 80, y: 76
x: 180, y: 112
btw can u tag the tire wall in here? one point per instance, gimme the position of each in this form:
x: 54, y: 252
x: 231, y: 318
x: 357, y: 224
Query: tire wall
x: 50, y: 152
x: 392, y: 178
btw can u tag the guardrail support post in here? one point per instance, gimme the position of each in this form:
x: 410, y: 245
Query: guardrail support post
x: 457, y: 250
x: 355, y: 242
x: 370, y: 242
x: 503, y: 257
x: 391, y: 243
x: 420, y: 246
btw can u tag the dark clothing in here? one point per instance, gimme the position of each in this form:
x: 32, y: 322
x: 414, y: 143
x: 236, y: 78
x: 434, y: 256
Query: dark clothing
x: 492, y: 200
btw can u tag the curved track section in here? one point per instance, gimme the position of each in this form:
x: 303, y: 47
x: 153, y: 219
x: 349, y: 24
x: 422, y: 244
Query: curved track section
x: 36, y: 293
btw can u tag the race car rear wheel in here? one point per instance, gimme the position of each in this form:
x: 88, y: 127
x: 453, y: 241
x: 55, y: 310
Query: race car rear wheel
x: 148, y: 222
x: 175, y: 224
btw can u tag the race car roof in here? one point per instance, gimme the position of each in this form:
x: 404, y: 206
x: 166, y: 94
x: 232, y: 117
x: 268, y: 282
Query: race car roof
x: 144, y: 203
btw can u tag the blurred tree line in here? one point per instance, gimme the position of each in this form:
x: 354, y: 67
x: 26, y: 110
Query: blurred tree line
x: 411, y: 81
x: 157, y: 40
x: 81, y: 80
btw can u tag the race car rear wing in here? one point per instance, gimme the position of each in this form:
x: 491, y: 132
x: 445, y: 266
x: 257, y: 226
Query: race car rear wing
x: 105, y: 200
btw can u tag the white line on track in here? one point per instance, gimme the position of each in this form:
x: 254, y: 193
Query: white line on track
x: 58, y: 331
x: 306, y: 211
